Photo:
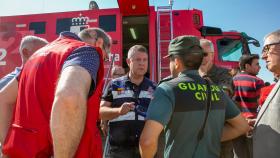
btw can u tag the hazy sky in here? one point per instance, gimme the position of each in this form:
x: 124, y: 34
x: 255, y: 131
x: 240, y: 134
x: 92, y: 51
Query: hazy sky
x: 255, y: 17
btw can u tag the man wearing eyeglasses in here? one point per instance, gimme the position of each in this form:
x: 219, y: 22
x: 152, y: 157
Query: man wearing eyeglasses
x: 266, y: 135
x: 58, y: 99
x: 221, y: 77
x: 218, y: 75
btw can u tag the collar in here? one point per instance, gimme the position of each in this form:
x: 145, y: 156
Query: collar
x: 212, y: 69
x: 188, y: 72
x: 246, y: 73
x: 70, y: 35
x: 127, y: 80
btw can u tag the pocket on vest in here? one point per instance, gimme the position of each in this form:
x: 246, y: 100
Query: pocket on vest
x: 24, y: 143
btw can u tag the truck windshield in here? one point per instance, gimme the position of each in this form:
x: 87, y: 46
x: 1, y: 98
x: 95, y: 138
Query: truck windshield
x: 229, y: 49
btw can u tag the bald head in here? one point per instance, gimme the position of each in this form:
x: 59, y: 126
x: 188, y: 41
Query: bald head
x: 273, y: 37
x: 271, y: 51
x: 95, y: 33
x: 208, y: 59
x: 29, y: 45
x: 98, y: 38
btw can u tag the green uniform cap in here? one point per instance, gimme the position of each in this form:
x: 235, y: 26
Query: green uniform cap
x: 184, y: 44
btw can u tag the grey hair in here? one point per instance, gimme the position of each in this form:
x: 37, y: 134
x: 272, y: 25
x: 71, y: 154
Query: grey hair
x: 134, y: 49
x: 95, y: 33
x: 207, y: 42
x: 275, y: 34
x: 30, y: 42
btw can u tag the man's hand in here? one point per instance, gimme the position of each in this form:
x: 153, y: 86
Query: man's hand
x: 235, y: 127
x: 251, y: 123
x: 104, y: 127
x: 126, y: 107
x: 3, y: 156
x: 107, y: 112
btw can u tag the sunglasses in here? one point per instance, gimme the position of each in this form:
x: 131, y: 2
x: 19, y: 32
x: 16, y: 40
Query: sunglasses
x: 267, y: 47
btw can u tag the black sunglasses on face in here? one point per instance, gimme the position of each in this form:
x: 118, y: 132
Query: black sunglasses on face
x: 266, y: 48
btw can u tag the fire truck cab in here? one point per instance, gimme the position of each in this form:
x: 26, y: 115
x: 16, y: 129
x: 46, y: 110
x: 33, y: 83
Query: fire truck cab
x: 134, y: 22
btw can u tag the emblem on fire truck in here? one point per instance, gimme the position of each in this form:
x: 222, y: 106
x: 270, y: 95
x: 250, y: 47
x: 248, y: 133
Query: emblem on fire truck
x: 79, y: 23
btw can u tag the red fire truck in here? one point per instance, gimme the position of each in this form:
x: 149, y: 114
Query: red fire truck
x: 134, y: 22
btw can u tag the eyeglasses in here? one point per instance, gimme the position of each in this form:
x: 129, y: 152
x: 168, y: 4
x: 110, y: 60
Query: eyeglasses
x: 266, y: 48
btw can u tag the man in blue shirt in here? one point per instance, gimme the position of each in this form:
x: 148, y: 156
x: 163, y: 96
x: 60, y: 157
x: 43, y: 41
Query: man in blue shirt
x: 125, y: 103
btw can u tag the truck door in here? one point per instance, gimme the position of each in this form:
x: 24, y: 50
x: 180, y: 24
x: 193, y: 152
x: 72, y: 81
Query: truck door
x: 135, y: 26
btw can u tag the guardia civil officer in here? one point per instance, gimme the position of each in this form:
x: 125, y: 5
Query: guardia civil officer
x: 194, y: 126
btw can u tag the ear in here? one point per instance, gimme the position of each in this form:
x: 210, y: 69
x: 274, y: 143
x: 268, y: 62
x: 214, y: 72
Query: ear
x: 177, y: 62
x: 99, y: 42
x: 212, y: 57
x: 246, y: 66
x: 25, y: 53
x: 128, y: 61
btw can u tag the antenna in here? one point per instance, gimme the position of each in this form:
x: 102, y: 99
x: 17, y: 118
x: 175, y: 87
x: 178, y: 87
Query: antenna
x: 189, y: 7
x: 171, y: 2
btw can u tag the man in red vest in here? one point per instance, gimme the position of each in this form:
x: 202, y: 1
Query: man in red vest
x: 28, y: 45
x: 58, y: 99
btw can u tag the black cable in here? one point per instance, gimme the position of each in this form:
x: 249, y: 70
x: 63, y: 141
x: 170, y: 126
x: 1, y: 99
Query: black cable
x: 208, y: 107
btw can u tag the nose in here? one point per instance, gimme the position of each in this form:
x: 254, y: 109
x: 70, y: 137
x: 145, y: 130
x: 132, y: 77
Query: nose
x: 264, y: 56
x: 142, y: 62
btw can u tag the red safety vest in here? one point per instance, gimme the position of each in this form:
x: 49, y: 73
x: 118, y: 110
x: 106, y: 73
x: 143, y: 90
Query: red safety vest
x: 29, y: 135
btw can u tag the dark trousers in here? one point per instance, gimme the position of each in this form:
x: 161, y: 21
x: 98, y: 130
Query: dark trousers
x: 226, y: 149
x: 243, y: 147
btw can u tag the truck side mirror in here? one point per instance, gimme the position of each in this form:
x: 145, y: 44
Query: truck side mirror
x: 210, y: 31
x: 256, y: 43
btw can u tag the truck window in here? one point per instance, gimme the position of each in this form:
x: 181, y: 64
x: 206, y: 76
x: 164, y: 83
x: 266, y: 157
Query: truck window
x: 229, y: 49
x: 107, y: 23
x: 63, y: 24
x: 38, y: 27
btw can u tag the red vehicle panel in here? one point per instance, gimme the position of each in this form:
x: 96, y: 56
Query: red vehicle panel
x: 132, y: 23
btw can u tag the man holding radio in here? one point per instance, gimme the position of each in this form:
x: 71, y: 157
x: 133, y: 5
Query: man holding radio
x: 125, y: 103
